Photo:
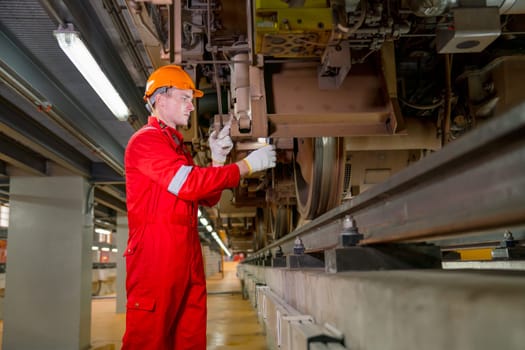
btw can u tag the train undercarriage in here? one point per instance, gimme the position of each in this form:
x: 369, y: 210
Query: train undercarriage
x: 349, y: 92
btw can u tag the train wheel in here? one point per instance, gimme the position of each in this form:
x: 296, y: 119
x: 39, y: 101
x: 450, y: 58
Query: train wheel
x: 261, y: 229
x: 280, y: 221
x: 318, y: 174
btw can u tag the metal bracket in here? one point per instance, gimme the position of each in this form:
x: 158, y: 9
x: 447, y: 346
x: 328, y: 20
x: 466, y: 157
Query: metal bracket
x: 383, y: 257
x: 508, y: 249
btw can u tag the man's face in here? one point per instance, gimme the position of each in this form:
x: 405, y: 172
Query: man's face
x: 174, y: 107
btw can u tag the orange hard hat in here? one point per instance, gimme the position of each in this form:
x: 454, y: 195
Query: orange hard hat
x: 170, y: 76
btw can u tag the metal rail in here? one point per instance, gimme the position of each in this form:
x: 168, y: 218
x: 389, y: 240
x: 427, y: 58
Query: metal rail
x: 471, y: 186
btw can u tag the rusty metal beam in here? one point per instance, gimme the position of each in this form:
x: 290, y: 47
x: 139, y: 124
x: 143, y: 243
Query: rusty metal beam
x: 361, y: 106
x: 417, y: 135
x: 388, y: 63
x: 338, y: 125
x: 473, y: 186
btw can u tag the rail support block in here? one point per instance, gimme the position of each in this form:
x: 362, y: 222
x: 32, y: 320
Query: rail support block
x: 383, y: 257
x: 295, y: 261
x: 508, y: 253
x: 279, y: 261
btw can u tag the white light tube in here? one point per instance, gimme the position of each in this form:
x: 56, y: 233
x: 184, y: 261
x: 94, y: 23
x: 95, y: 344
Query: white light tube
x: 203, y: 221
x: 221, y: 244
x: 105, y: 249
x: 70, y: 42
x: 209, y: 228
x: 102, y: 231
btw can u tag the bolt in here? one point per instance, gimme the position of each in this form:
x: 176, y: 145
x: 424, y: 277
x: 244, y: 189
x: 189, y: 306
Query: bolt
x: 508, y: 240
x: 350, y: 236
x: 279, y: 253
x: 298, y: 246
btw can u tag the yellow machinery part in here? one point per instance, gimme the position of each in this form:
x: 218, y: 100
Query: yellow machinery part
x: 292, y: 32
x: 475, y: 254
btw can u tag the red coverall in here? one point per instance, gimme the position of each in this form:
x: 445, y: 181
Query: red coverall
x: 166, y: 286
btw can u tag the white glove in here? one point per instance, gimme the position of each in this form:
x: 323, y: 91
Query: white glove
x: 261, y: 159
x: 220, y: 144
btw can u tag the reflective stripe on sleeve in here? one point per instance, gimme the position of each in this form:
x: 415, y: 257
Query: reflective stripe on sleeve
x: 179, y: 179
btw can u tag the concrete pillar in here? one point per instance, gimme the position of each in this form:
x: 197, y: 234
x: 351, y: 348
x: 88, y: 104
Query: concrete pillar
x: 122, y: 240
x: 48, y: 278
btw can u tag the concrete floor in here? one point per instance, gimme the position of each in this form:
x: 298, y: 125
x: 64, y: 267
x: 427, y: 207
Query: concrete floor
x: 232, y: 321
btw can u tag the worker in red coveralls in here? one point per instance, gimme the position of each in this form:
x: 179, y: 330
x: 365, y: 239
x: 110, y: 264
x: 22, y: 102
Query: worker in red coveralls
x: 165, y: 283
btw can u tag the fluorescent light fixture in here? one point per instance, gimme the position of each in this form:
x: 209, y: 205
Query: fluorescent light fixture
x: 199, y: 214
x: 70, y: 42
x: 209, y: 228
x: 203, y: 221
x: 94, y: 248
x: 4, y: 215
x: 220, y: 243
x: 102, y: 231
x: 114, y: 250
x: 105, y: 249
